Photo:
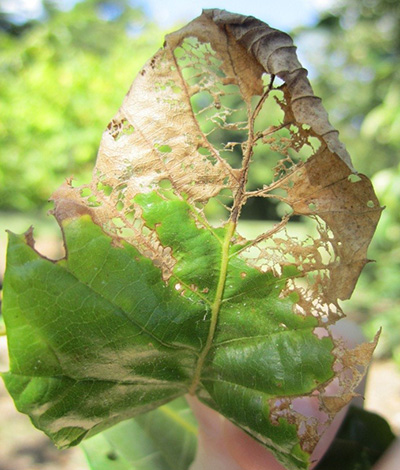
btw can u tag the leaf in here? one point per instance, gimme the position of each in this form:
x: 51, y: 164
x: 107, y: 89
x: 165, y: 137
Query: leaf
x: 154, y: 299
x: 163, y: 439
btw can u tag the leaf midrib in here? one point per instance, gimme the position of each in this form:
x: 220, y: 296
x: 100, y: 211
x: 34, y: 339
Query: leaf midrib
x: 216, y: 305
x: 230, y: 230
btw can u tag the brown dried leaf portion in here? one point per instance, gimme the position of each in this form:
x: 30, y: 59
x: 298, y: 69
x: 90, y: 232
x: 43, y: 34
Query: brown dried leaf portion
x: 323, y: 188
x: 275, y: 51
x: 347, y: 212
x: 156, y: 141
x: 156, y: 136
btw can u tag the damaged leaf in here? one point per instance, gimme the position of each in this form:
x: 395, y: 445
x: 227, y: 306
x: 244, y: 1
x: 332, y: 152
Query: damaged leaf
x: 155, y: 299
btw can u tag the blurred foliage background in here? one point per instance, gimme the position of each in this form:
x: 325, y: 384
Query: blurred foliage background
x: 64, y: 75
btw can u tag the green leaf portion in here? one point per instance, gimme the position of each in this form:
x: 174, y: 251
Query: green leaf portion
x: 261, y: 349
x: 163, y: 439
x: 288, y: 361
x: 2, y: 326
x: 100, y: 336
x: 69, y: 410
x: 79, y: 363
x: 196, y: 250
x: 131, y: 282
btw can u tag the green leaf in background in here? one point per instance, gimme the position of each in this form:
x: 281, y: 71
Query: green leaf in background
x: 153, y: 300
x: 50, y: 122
x: 163, y: 439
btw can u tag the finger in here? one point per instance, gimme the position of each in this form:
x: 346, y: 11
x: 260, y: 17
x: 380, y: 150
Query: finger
x: 212, y: 452
x: 223, y: 446
x: 248, y: 453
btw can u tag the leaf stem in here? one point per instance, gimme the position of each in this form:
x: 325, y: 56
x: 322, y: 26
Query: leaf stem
x: 216, y: 306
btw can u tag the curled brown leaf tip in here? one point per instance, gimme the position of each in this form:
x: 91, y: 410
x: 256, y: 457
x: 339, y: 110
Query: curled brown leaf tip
x: 275, y: 51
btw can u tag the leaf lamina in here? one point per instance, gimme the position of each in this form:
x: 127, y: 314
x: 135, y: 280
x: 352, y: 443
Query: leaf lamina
x: 155, y: 298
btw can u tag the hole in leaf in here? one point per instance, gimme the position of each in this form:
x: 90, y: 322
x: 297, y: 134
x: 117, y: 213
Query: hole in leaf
x: 203, y: 151
x: 283, y: 209
x: 164, y: 148
x: 217, y: 208
x: 93, y: 202
x: 106, y: 189
x: 85, y: 192
x: 126, y: 232
x: 321, y: 332
x: 200, y: 101
x: 165, y: 184
x: 137, y: 224
x: 353, y: 178
x: 118, y: 222
x: 130, y: 216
